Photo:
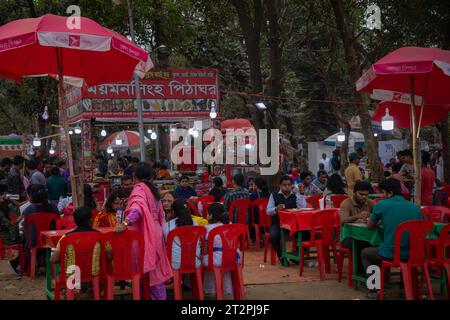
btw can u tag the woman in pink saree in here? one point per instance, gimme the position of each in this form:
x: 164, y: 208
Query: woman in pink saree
x: 145, y: 214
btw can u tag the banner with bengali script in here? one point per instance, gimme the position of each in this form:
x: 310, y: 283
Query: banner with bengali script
x: 171, y: 93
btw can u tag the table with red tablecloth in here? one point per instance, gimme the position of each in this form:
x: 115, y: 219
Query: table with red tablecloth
x: 291, y: 222
x: 49, y: 240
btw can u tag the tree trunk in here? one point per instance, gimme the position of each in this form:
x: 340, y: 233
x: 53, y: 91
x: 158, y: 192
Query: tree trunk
x: 159, y: 32
x: 251, y: 29
x: 354, y: 73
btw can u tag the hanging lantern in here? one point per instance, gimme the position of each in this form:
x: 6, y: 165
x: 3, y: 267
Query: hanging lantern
x: 77, y: 129
x: 213, y: 113
x: 45, y: 113
x: 70, y: 131
x: 36, y: 141
x: 109, y: 150
x: 153, y: 136
x: 387, y: 122
x: 51, y: 151
x: 341, y: 136
x: 103, y: 133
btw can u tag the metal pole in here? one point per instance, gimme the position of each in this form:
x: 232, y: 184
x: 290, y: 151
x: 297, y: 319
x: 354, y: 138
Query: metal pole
x: 138, y: 89
x: 157, y: 143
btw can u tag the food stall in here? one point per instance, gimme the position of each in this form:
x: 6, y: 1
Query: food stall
x: 172, y: 97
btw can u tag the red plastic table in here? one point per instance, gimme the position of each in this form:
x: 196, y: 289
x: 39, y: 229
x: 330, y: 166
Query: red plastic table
x: 295, y: 221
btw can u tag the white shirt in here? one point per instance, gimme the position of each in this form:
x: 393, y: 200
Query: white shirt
x: 440, y: 169
x: 327, y: 164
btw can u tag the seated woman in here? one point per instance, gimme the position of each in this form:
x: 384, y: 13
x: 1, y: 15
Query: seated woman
x: 218, y: 191
x: 9, y: 231
x: 217, y: 217
x: 335, y: 185
x: 181, y: 217
x: 251, y: 186
x: 89, y: 200
x: 39, y: 203
x: 163, y: 173
x: 167, y: 201
x: 107, y: 217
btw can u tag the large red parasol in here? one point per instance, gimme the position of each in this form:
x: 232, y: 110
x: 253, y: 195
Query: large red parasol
x: 402, y: 114
x: 128, y: 140
x: 415, y: 76
x: 93, y: 54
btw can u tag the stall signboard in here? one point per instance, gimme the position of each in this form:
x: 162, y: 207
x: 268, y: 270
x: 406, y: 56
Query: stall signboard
x: 175, y: 93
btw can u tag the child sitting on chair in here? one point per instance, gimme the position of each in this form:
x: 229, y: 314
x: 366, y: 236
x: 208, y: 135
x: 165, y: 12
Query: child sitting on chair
x: 217, y: 217
x: 83, y: 220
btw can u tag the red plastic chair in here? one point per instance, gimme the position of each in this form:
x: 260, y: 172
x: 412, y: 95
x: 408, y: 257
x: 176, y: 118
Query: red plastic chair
x: 442, y: 260
x: 233, y: 238
x: 435, y: 213
x: 407, y: 196
x: 337, y: 200
x: 42, y: 221
x: 66, y: 223
x: 68, y: 211
x: 193, y: 207
x: 376, y: 200
x: 205, y: 201
x: 418, y: 230
x: 189, y: 238
x: 83, y: 245
x: 263, y: 217
x: 322, y: 226
x: 242, y: 207
x: 314, y: 201
x: 6, y: 252
x: 125, y: 265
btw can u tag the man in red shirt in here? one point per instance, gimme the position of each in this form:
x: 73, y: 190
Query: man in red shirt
x: 428, y: 180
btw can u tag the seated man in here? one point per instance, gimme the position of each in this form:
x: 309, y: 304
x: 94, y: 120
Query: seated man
x: 389, y: 213
x: 356, y: 209
x: 238, y: 192
x: 183, y: 190
x: 322, y: 179
x: 306, y: 187
x: 286, y: 198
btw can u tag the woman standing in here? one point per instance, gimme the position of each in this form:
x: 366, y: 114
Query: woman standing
x: 145, y: 214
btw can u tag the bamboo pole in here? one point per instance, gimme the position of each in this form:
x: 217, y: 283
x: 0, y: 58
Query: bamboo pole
x: 416, y: 149
x: 75, y: 198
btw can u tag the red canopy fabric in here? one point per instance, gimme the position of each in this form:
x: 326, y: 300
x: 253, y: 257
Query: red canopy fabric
x: 236, y: 124
x: 93, y: 53
x: 130, y: 139
x: 402, y: 114
x: 389, y: 78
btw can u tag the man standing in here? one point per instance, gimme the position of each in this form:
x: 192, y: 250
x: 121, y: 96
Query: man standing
x: 389, y: 213
x: 237, y: 193
x: 36, y: 177
x: 335, y: 161
x: 127, y: 185
x: 428, y: 181
x: 352, y: 173
x: 129, y: 170
x: 407, y: 169
x: 56, y: 186
x: 15, y: 177
x: 286, y: 198
x: 326, y: 162
x: 5, y: 166
x: 363, y: 159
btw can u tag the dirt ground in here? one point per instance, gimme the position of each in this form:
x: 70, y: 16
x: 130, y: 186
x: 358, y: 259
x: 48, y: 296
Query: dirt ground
x: 262, y: 281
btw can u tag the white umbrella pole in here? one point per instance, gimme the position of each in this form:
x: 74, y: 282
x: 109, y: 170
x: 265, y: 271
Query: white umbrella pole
x: 416, y: 149
x: 73, y: 183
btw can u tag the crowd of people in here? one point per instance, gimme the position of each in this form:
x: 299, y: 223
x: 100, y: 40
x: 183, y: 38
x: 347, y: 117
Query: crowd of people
x: 31, y: 186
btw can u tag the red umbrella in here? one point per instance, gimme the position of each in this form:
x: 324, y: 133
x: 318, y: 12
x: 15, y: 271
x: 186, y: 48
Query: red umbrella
x: 236, y: 124
x: 29, y: 47
x: 389, y: 79
x: 415, y: 76
x: 402, y: 114
x: 46, y: 46
x: 128, y: 139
